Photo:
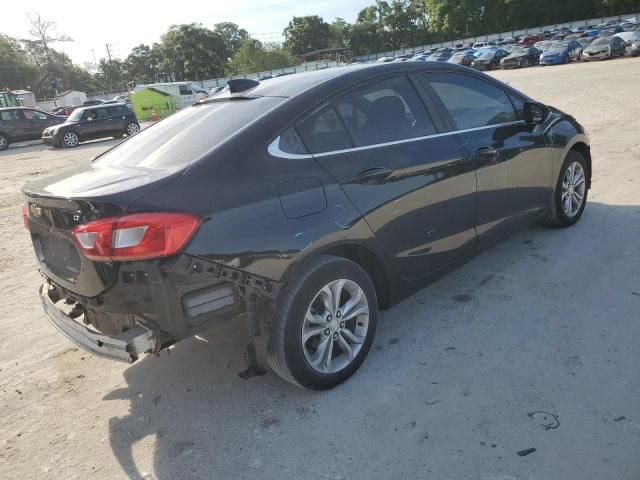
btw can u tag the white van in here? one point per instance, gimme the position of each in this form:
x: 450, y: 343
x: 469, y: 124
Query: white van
x: 185, y: 92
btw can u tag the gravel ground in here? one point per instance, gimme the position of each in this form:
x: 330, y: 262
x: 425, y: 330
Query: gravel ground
x: 532, y: 345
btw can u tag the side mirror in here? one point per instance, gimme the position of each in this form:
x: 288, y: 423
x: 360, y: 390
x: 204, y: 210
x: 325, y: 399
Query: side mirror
x: 535, y: 112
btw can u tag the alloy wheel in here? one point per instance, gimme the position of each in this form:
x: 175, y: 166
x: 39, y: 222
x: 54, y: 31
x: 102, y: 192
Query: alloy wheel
x: 573, y: 189
x: 70, y: 139
x: 4, y: 144
x: 335, y: 326
x: 132, y: 129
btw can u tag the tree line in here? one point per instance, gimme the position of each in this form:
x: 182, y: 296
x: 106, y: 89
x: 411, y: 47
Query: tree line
x: 197, y: 52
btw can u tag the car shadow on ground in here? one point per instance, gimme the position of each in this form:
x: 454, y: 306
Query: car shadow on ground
x: 204, y: 420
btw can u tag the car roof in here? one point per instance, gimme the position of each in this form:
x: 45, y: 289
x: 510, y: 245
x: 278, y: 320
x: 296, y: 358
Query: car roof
x: 293, y: 85
x: 20, y: 108
x: 101, y: 105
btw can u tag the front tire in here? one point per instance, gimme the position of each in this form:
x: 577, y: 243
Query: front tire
x: 570, y: 195
x: 324, y: 325
x: 4, y: 142
x: 70, y: 140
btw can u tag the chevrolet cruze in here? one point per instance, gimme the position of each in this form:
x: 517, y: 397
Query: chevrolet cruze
x: 307, y: 204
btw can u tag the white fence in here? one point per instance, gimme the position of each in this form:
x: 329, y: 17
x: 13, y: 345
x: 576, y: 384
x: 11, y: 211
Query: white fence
x: 307, y: 67
x: 494, y: 36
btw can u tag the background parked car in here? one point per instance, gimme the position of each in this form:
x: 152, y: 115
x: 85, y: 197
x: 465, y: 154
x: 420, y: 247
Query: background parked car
x: 90, y: 103
x: 463, y: 58
x: 530, y: 40
x: 628, y: 37
x: 561, y: 52
x: 63, y: 111
x: 521, y: 57
x: 21, y: 123
x: 604, y: 48
x: 489, y: 59
x: 634, y: 50
x: 88, y: 123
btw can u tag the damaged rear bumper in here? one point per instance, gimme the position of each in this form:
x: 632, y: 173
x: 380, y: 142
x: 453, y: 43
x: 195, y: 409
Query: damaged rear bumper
x: 125, y: 347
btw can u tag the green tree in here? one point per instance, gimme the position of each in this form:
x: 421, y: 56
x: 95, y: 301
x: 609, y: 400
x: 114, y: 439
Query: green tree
x: 140, y: 64
x: 232, y: 37
x: 306, y: 34
x: 191, y: 52
x: 253, y: 56
x: 16, y: 70
x: 339, y: 33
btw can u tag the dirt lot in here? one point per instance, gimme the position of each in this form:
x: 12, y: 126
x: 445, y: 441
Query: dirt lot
x: 534, y: 344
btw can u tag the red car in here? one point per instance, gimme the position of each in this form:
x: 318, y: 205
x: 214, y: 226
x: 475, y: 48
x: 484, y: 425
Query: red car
x: 63, y: 111
x: 530, y: 40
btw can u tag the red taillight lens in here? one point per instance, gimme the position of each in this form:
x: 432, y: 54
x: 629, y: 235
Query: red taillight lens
x: 140, y: 236
x: 25, y: 217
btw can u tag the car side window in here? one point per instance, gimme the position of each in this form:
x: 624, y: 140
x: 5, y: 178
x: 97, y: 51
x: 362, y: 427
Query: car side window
x: 323, y: 131
x: 290, y: 142
x: 115, y: 111
x: 102, y: 112
x: 470, y: 101
x: 34, y: 115
x: 184, y: 90
x: 9, y: 115
x: 384, y: 111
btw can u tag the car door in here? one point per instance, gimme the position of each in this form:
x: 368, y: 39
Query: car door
x: 13, y: 124
x: 408, y: 178
x: 117, y: 119
x: 513, y: 165
x: 34, y: 124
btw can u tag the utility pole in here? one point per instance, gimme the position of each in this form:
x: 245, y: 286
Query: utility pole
x: 108, y: 51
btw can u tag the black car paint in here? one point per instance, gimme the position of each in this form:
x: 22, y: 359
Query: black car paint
x: 265, y: 217
x: 101, y: 127
x: 24, y: 129
x: 516, y: 58
x: 490, y: 63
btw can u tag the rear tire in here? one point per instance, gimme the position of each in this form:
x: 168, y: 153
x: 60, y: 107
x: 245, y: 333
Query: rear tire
x: 4, y: 142
x: 570, y: 195
x: 132, y: 129
x: 316, y: 341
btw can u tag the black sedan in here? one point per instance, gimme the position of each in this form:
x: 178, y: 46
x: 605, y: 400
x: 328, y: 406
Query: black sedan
x: 306, y: 203
x: 89, y: 123
x: 521, y: 57
x: 18, y: 124
x: 489, y: 59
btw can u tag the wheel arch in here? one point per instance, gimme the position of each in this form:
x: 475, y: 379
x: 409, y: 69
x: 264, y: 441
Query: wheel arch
x: 362, y: 255
x: 583, y: 149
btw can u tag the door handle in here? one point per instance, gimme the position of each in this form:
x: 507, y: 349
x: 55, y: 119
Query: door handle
x: 374, y: 175
x: 486, y: 153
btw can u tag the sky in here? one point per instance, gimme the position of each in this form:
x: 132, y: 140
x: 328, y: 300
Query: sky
x: 125, y: 24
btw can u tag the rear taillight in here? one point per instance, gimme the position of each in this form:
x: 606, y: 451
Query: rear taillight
x: 25, y: 217
x: 140, y: 236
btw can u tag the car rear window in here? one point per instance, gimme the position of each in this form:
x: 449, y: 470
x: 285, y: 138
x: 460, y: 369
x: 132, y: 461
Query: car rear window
x: 185, y: 136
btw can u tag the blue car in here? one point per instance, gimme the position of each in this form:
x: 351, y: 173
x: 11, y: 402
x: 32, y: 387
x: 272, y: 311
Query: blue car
x: 561, y: 52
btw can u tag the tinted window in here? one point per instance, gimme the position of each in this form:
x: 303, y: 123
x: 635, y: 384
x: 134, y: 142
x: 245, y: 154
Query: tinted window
x: 102, y: 113
x: 187, y: 135
x: 91, y: 113
x: 324, y: 132
x: 34, y: 115
x: 290, y: 142
x: 184, y: 90
x: 8, y: 115
x: 114, y: 111
x: 384, y: 111
x: 471, y: 102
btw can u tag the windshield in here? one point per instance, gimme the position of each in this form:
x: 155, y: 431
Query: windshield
x: 76, y: 115
x: 187, y: 135
x: 600, y: 41
x: 487, y: 54
x: 558, y: 45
